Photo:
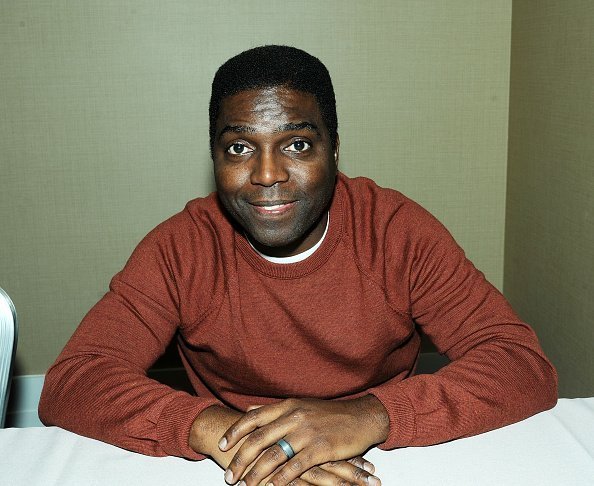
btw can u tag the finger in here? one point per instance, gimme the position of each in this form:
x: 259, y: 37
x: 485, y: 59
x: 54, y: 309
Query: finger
x: 299, y: 482
x: 294, y: 468
x: 250, y: 421
x: 322, y: 477
x: 269, y: 463
x: 259, y: 450
x: 345, y: 470
x: 363, y: 464
x: 295, y: 482
x: 303, y: 465
x: 333, y: 474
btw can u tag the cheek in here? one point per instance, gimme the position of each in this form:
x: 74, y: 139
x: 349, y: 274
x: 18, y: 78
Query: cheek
x: 321, y: 177
x: 229, y: 180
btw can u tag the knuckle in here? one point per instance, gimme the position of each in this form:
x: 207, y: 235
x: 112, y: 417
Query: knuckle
x: 298, y: 414
x: 296, y: 466
x: 274, y: 454
x: 315, y: 474
x: 252, y: 415
x: 281, y: 478
x: 307, y: 457
x: 237, y: 461
x: 255, y: 438
x: 252, y: 475
x: 359, y: 474
x: 234, y: 430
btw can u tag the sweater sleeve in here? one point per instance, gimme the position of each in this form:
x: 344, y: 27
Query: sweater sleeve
x: 498, y: 373
x: 98, y: 385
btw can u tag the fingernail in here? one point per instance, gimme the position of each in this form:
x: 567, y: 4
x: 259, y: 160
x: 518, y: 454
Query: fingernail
x: 241, y: 483
x: 368, y: 467
x: 229, y: 476
x: 373, y: 481
x: 223, y: 444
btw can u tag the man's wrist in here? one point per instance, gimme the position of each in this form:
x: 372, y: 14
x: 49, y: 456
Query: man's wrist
x: 209, y: 426
x: 376, y: 418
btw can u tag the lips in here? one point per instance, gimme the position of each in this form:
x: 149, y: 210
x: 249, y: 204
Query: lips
x: 272, y: 207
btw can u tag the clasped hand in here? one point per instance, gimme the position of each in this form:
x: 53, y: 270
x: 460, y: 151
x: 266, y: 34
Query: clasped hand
x: 320, y: 432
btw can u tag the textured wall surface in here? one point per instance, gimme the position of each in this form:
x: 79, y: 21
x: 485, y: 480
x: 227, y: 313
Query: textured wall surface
x: 549, y: 241
x: 103, y: 132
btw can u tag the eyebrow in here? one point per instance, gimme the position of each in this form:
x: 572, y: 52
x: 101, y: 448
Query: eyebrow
x: 287, y: 127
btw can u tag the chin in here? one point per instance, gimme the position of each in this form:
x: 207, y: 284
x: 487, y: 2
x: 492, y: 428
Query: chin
x: 272, y: 241
x: 276, y: 242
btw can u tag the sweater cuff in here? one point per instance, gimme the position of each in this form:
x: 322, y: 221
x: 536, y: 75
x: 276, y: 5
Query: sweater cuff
x: 402, y: 418
x: 175, y: 422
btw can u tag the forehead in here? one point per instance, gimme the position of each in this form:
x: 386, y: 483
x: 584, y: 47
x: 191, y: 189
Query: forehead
x: 269, y: 108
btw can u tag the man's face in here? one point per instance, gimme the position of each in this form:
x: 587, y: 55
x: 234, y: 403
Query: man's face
x: 275, y: 168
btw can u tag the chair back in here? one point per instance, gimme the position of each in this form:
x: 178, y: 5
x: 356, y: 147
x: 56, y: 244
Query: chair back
x: 8, y: 344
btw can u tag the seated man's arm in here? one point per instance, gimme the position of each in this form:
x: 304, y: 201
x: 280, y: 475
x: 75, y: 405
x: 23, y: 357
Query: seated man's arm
x: 498, y: 372
x: 98, y: 385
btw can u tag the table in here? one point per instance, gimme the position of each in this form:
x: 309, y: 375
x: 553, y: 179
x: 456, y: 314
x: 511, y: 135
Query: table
x: 552, y: 448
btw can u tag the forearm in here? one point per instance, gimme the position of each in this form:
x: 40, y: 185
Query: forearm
x: 491, y: 386
x: 108, y: 400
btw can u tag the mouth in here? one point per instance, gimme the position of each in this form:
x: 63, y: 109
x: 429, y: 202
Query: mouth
x: 272, y: 207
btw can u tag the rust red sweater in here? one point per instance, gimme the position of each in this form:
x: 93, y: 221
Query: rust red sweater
x: 342, y: 323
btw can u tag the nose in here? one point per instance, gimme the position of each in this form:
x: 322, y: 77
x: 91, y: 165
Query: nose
x: 268, y: 169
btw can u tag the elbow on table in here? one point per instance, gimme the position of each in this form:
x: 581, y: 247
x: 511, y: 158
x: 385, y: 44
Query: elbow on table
x: 63, y: 391
x: 52, y: 408
x: 45, y: 410
x: 547, y: 388
x: 554, y: 387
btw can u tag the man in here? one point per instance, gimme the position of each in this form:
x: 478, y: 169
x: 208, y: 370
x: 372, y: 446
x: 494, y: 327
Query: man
x: 297, y: 295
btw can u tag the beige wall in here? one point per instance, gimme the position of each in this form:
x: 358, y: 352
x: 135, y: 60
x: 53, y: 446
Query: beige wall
x: 103, y: 131
x: 549, y: 244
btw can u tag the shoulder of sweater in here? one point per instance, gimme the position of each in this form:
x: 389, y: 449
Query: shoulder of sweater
x: 197, y: 213
x: 199, y: 225
x: 380, y: 208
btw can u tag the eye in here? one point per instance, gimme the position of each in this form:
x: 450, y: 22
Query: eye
x: 238, y: 149
x: 298, y: 146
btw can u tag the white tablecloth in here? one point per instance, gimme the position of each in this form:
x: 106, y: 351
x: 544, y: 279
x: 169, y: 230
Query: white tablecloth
x: 551, y: 448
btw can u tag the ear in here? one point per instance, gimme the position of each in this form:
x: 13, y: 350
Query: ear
x: 336, y: 150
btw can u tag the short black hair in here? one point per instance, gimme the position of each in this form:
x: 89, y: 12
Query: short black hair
x: 271, y: 66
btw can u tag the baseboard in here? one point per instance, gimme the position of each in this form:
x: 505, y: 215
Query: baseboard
x: 26, y: 389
